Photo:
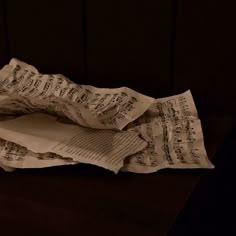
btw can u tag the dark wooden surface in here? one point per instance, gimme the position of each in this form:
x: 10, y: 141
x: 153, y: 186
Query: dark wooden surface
x: 128, y: 44
x: 211, y: 208
x: 86, y: 200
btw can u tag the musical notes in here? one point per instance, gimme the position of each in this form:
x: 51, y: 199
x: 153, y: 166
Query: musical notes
x: 102, y: 108
x: 174, y: 135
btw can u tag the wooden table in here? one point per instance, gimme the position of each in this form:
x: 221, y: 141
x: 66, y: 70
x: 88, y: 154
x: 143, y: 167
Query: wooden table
x: 86, y: 200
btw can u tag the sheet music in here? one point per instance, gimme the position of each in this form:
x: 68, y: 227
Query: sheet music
x: 14, y: 156
x: 111, y: 128
x: 24, y: 90
x: 42, y: 133
x: 174, y: 135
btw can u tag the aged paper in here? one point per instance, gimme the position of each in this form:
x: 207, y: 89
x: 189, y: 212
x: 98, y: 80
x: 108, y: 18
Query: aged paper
x: 174, y: 135
x: 24, y: 90
x: 41, y: 133
x: 48, y: 120
x: 13, y: 156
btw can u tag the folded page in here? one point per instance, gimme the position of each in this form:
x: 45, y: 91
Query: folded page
x: 13, y: 155
x: 174, y: 135
x: 28, y: 91
x: 42, y: 133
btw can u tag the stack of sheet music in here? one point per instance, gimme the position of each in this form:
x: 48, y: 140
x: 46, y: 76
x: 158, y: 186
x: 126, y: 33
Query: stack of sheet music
x: 48, y: 120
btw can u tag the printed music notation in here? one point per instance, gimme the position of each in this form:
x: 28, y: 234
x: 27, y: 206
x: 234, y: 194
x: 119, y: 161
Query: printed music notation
x: 175, y: 136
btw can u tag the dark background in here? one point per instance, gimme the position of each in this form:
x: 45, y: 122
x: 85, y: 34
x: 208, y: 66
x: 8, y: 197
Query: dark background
x: 157, y: 47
